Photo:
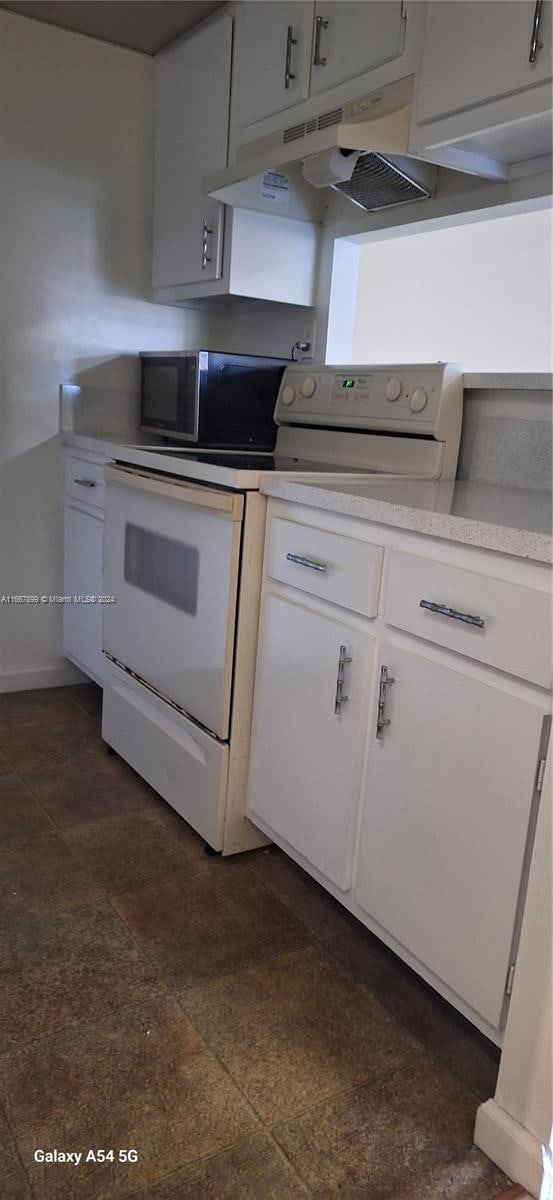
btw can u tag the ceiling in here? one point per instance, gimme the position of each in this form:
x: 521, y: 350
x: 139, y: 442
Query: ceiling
x: 145, y: 25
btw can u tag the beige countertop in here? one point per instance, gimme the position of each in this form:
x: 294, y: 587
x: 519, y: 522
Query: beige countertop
x: 527, y: 381
x: 108, y: 444
x: 508, y: 520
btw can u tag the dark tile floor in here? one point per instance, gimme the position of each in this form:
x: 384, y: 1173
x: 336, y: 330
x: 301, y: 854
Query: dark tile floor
x: 225, y: 1019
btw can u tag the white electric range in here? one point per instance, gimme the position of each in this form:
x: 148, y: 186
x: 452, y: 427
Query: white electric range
x: 183, y: 555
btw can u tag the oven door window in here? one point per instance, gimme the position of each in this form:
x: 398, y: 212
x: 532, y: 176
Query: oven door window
x: 163, y: 567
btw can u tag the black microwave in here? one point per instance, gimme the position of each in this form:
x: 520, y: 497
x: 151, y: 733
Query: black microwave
x: 210, y: 399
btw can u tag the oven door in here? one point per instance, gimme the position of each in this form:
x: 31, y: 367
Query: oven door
x: 171, y: 561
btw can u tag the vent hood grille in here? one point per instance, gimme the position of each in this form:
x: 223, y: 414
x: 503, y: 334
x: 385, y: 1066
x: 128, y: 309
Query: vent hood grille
x: 304, y: 128
x: 377, y: 182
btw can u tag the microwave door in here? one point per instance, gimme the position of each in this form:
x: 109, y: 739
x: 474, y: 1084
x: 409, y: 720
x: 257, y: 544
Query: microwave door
x: 171, y: 559
x: 169, y: 396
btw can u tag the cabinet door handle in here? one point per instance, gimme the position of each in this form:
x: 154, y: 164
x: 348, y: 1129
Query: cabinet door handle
x: 307, y: 562
x: 85, y: 482
x: 320, y: 24
x: 207, y: 231
x: 339, y: 698
x: 445, y: 611
x: 535, y: 43
x: 382, y: 720
x: 290, y: 41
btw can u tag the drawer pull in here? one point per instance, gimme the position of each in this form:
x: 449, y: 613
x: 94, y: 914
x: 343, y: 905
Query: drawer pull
x: 307, y: 562
x: 85, y: 482
x: 339, y: 698
x: 382, y: 720
x: 445, y: 611
x: 535, y: 43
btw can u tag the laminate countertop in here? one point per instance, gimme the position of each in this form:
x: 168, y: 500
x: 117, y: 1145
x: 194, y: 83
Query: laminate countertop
x: 509, y: 520
x: 105, y: 443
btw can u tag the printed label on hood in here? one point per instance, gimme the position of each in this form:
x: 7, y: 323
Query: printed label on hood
x: 275, y: 187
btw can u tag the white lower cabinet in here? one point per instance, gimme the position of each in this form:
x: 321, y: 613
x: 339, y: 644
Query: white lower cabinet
x: 83, y: 575
x: 448, y: 800
x: 307, y: 758
x: 424, y: 832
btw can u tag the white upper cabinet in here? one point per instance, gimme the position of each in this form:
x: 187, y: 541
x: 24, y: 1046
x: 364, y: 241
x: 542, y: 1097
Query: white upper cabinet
x: 487, y: 64
x: 191, y: 136
x: 201, y: 249
x: 273, y: 56
x: 478, y: 50
x: 290, y: 51
x: 353, y: 38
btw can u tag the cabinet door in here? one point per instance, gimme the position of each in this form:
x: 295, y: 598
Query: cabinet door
x: 192, y: 99
x: 477, y: 50
x: 307, y: 759
x: 272, y: 70
x: 447, y: 806
x: 353, y: 38
x: 83, y: 576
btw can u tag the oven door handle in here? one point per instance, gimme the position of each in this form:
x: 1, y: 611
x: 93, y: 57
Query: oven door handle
x: 225, y: 504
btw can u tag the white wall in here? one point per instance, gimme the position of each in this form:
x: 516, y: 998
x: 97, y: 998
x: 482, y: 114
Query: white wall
x: 515, y: 1128
x: 74, y: 236
x: 476, y: 293
x: 75, y: 206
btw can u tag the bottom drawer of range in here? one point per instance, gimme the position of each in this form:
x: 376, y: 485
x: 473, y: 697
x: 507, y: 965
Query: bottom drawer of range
x: 181, y: 762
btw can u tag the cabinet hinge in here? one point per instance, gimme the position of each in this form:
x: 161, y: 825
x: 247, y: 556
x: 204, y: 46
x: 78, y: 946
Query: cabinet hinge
x: 540, y: 775
x: 510, y: 978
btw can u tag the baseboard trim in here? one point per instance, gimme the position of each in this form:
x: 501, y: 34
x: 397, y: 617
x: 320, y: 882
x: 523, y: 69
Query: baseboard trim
x: 25, y: 678
x: 510, y: 1145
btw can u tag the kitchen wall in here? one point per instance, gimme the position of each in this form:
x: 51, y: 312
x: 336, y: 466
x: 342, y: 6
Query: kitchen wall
x: 75, y: 209
x: 477, y: 293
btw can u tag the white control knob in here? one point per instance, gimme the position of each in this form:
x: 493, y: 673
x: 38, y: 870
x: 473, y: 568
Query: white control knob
x: 418, y: 400
x: 288, y: 394
x: 308, y: 386
x: 393, y: 389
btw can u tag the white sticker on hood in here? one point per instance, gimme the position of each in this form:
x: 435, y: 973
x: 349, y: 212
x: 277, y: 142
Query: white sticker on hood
x: 275, y: 187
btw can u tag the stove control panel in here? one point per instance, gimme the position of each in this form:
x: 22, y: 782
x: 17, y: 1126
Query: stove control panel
x: 421, y: 398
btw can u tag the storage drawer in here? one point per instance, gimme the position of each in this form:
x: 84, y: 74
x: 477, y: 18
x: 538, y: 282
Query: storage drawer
x: 515, y: 634
x: 343, y: 570
x: 84, y: 479
x: 177, y: 758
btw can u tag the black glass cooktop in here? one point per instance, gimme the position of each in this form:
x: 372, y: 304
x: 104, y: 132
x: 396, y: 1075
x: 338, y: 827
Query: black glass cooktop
x: 262, y: 462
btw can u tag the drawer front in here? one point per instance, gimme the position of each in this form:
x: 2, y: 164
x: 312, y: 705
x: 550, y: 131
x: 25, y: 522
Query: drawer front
x: 343, y: 570
x: 181, y: 762
x: 513, y: 632
x: 84, y: 480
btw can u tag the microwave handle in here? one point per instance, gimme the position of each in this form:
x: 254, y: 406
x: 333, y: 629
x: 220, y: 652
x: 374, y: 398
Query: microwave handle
x: 224, y: 504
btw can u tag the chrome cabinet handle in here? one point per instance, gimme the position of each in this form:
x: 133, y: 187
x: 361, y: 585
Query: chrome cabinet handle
x: 290, y: 41
x: 320, y: 24
x: 339, y: 698
x: 445, y: 611
x: 535, y: 43
x: 207, y: 231
x: 382, y: 720
x: 307, y: 562
x: 85, y: 482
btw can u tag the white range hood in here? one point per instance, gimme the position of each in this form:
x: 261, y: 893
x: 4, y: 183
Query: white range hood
x: 359, y: 148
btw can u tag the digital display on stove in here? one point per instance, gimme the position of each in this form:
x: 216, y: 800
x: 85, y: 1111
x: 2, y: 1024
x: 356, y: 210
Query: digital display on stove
x: 348, y: 383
